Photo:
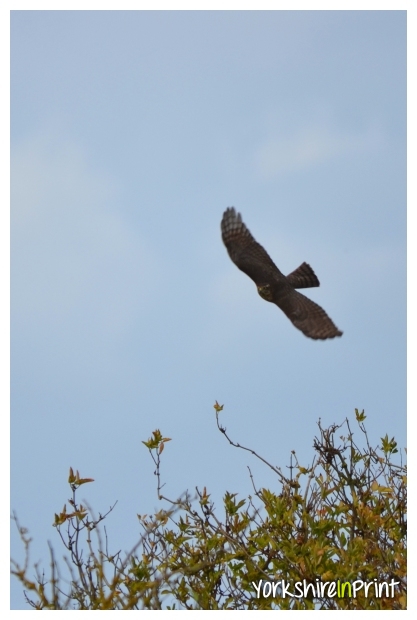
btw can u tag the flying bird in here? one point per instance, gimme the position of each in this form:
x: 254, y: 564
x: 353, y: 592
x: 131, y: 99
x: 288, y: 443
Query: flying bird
x: 272, y: 285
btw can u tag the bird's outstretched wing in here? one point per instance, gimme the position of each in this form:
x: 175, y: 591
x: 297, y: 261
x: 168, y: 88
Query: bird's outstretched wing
x: 245, y: 252
x: 308, y: 316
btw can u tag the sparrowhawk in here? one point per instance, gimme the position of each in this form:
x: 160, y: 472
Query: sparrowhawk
x: 272, y: 285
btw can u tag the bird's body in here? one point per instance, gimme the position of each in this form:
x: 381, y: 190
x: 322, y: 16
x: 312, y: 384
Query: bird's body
x: 251, y: 258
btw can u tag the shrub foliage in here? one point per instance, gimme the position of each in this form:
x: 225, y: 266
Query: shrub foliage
x: 340, y: 520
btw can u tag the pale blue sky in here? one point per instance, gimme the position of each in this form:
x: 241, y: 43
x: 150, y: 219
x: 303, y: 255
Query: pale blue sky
x: 131, y: 134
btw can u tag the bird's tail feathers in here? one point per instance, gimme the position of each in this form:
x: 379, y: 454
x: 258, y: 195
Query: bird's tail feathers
x: 303, y: 277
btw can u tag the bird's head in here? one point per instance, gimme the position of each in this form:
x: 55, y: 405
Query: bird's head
x: 265, y: 291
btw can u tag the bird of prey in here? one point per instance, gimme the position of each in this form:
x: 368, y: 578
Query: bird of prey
x: 272, y: 285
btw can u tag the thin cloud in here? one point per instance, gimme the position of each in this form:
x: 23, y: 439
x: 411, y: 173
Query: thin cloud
x: 75, y: 260
x: 310, y: 147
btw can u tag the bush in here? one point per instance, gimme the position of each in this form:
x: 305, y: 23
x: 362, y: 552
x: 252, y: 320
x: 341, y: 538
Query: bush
x: 334, y: 537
